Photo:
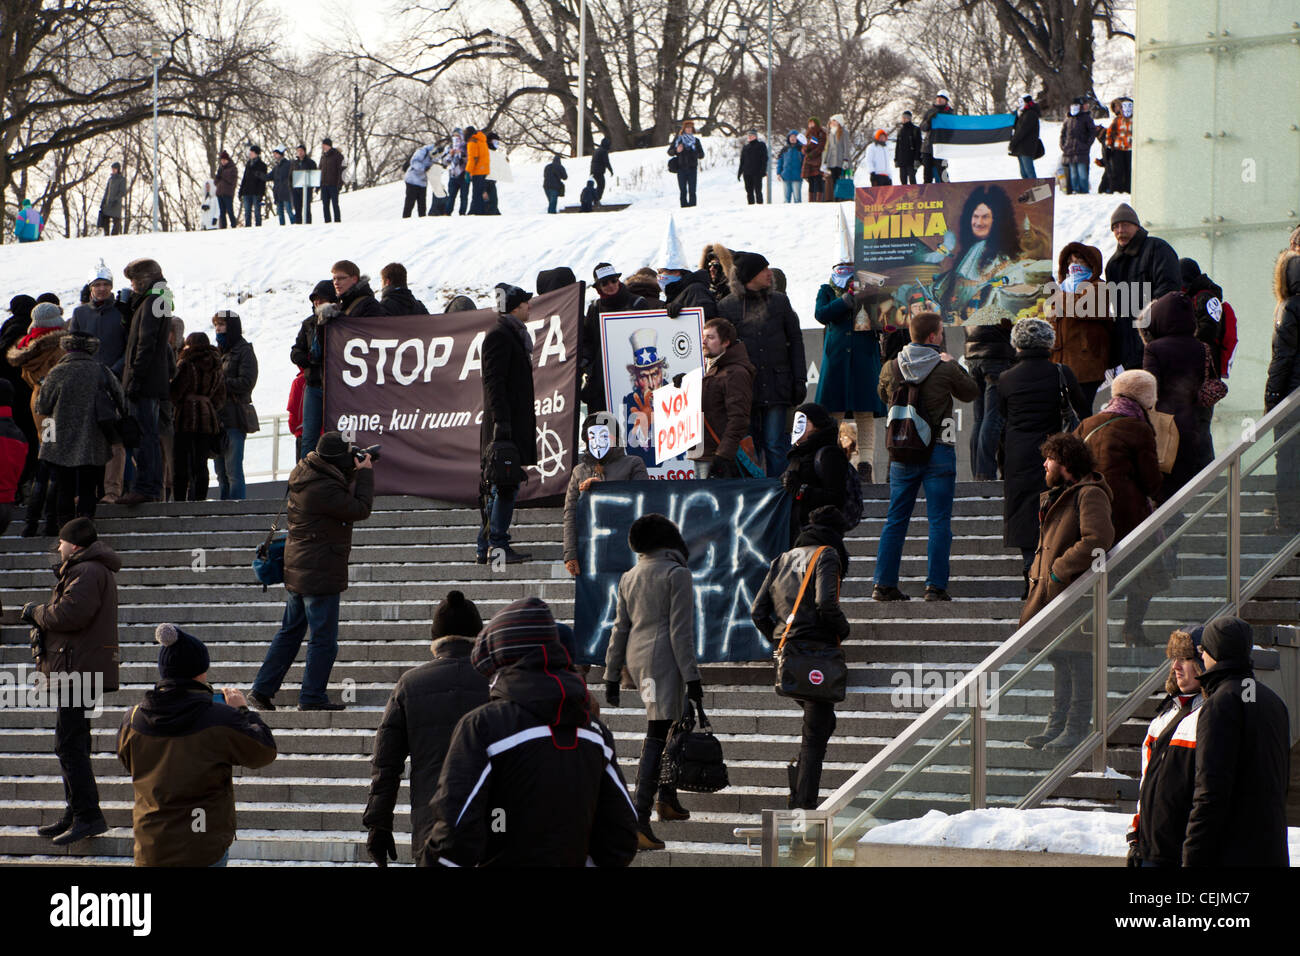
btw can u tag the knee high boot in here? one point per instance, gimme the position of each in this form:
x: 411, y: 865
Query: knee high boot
x: 808, y: 777
x: 1080, y: 714
x: 647, y: 785
x: 1061, y: 686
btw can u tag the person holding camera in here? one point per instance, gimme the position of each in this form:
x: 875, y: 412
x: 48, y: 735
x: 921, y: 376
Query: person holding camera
x: 507, y: 439
x: 329, y: 490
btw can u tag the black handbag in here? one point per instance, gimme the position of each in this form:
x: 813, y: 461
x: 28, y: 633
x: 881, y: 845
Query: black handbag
x: 119, y: 426
x: 693, y: 761
x: 810, y: 669
x: 673, y: 164
x: 1069, y: 417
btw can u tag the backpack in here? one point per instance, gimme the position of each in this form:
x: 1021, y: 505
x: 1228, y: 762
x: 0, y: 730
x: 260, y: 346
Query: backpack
x: 852, y: 493
x: 908, y: 438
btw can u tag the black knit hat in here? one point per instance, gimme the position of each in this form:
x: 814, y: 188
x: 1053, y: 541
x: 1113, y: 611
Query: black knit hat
x: 817, y: 416
x: 182, y: 656
x: 1228, y: 639
x: 510, y: 297
x: 333, y: 450
x: 323, y: 292
x: 456, y: 615
x: 79, y: 531
x: 748, y: 265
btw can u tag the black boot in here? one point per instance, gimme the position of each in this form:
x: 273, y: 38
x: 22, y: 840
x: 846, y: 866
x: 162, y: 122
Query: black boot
x: 669, y: 807
x: 647, y: 785
x: 1079, y: 719
x: 792, y: 778
x: 51, y: 830
x: 808, y: 778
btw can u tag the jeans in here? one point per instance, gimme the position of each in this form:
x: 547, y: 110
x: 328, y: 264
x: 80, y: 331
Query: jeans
x: 313, y: 419
x: 1078, y: 176
x: 457, y: 184
x: 686, y: 185
x: 226, y: 211
x: 320, y: 614
x: 754, y: 188
x: 477, y: 199
x: 230, y: 467
x: 301, y: 211
x: 329, y: 199
x: 252, y: 209
x: 148, y: 457
x: 907, y: 174
x: 933, y: 169
x: 793, y: 190
x: 225, y: 858
x: 416, y: 197
x: 497, y: 508
x: 1027, y: 167
x: 986, y: 431
x: 818, y: 725
x: 284, y: 209
x: 72, y: 747
x: 938, y: 477
x: 768, y: 424
x: 552, y: 200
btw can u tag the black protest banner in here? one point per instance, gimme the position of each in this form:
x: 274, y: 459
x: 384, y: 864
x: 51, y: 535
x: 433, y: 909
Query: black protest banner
x: 734, y: 530
x: 413, y: 385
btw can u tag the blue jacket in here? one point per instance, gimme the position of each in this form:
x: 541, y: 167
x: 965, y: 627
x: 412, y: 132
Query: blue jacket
x: 789, y: 162
x: 417, y: 173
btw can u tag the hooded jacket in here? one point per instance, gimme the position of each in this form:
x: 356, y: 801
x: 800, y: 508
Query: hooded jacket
x: 1077, y: 135
x: 654, y: 630
x: 282, y: 180
x: 70, y: 394
x: 323, y: 505
x: 554, y: 175
x: 818, y: 470
x: 532, y: 756
x: 360, y: 300
x: 179, y: 745
x: 198, y: 391
x: 399, y: 300
x: 726, y: 399
x: 1024, y: 134
x: 940, y: 382
x: 617, y: 465
x: 691, y: 291
x: 789, y: 162
x: 600, y: 159
x: 109, y: 322
x: 1283, y: 367
x: 331, y: 167
x: 813, y: 148
x: 1074, y: 525
x: 1168, y: 781
x: 1177, y: 359
x: 769, y: 329
x: 1081, y: 319
x: 1146, y: 259
x: 418, y: 722
x: 34, y: 358
x: 80, y: 618
x: 819, y: 617
x: 478, y: 162
x: 417, y: 170
x: 239, y: 366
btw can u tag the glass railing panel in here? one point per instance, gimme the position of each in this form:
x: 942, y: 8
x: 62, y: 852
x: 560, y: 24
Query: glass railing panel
x: 1270, y: 492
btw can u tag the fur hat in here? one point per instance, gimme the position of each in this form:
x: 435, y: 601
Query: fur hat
x: 1137, y: 385
x: 1032, y: 334
x: 654, y: 532
x: 79, y: 342
x: 1185, y: 645
x: 182, y: 656
x: 748, y: 265
x: 46, y: 315
x: 1124, y: 213
x: 456, y: 615
x: 1228, y: 639
x: 79, y: 531
x: 461, y: 303
x: 143, y: 269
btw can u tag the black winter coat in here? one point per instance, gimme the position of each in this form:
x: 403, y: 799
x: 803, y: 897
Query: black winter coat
x: 907, y: 148
x: 691, y: 291
x: 422, y: 712
x: 1077, y: 135
x: 1029, y: 394
x: 553, y: 176
x: 600, y: 159
x: 109, y: 322
x: 254, y: 181
x: 1168, y: 782
x: 1024, y: 135
x: 1283, y: 368
x: 360, y: 301
x: 239, y: 365
x: 282, y: 181
x: 310, y: 333
x: 508, y: 391
x: 1238, y: 813
x: 753, y: 159
x: 820, y: 617
x: 1145, y: 259
x: 323, y: 505
x: 989, y: 345
x: 815, y: 475
x: 688, y: 158
x: 591, y: 365
x: 400, y: 301
x: 145, y: 372
x: 766, y: 323
x: 534, y: 757
x: 1177, y: 359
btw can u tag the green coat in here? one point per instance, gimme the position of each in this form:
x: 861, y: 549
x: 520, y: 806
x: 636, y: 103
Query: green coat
x: 850, y: 360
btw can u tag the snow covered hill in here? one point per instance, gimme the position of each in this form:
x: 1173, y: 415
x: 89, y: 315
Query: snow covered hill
x: 265, y: 274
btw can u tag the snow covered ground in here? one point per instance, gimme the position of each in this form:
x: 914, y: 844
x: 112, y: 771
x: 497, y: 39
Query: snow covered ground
x: 265, y: 274
x: 1045, y: 830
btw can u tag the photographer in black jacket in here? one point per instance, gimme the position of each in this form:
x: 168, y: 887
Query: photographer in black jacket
x: 507, y: 439
x: 308, y: 353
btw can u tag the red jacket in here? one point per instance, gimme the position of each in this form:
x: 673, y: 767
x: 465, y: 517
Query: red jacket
x: 296, y: 391
x: 13, y: 454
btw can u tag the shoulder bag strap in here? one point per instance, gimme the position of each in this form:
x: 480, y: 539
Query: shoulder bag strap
x: 1099, y: 428
x: 275, y: 525
x: 807, y: 576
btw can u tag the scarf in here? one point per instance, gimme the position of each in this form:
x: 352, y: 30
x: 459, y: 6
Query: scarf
x: 36, y: 333
x: 1075, y: 277
x: 521, y: 330
x: 1123, y: 405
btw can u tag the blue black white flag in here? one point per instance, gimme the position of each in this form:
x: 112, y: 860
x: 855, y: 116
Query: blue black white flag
x: 962, y: 137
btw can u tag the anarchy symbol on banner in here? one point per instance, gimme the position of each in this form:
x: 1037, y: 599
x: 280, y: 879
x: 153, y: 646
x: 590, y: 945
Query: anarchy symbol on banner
x: 550, y: 453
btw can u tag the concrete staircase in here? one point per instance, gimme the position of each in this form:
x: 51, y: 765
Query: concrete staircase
x: 189, y: 563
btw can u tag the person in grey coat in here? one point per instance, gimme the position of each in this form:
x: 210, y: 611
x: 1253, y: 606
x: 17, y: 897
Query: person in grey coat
x: 819, y: 618
x: 654, y: 635
x: 604, y: 460
x: 110, y: 207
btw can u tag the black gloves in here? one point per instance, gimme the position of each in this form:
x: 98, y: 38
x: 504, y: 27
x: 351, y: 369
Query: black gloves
x: 790, y: 481
x: 677, y: 379
x: 695, y: 691
x: 26, y: 616
x: 380, y: 846
x: 800, y: 392
x: 611, y: 693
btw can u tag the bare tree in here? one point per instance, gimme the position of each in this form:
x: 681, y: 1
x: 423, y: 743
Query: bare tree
x: 962, y: 49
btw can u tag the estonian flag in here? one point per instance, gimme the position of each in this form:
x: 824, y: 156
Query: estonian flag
x: 961, y: 137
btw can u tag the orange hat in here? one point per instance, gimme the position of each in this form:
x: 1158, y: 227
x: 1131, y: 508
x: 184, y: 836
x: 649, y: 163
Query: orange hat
x: 881, y: 134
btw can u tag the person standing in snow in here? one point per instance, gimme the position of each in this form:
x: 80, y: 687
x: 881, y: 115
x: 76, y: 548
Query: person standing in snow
x: 252, y: 188
x: 1077, y: 135
x: 1119, y: 144
x: 282, y: 186
x: 209, y: 206
x: 600, y: 166
x: 789, y: 166
x: 1025, y: 144
x: 478, y: 165
x: 933, y: 167
x: 878, y: 159
x: 301, y: 203
x: 813, y: 140
x: 417, y: 181
x: 907, y: 149
x: 454, y: 158
x: 553, y: 177
x: 838, y: 152
x: 110, y: 207
x: 587, y: 199
x: 331, y: 179
x: 687, y: 149
x: 753, y: 167
x: 227, y: 178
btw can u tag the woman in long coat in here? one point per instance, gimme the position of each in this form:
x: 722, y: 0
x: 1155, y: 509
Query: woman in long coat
x: 814, y: 145
x: 1029, y: 394
x: 198, y: 393
x: 654, y: 635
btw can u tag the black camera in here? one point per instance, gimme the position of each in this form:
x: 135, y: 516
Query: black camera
x: 360, y: 453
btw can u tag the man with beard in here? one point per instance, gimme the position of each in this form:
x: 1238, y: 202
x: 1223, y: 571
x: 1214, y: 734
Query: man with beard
x: 603, y: 460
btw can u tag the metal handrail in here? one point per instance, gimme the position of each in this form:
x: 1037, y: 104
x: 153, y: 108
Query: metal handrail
x: 1041, y: 624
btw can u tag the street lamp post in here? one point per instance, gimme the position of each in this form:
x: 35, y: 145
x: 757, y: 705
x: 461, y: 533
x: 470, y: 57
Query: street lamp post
x: 770, y: 154
x: 582, y: 79
x: 155, y: 57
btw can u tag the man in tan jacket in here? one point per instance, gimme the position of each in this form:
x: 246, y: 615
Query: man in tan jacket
x: 1075, y: 529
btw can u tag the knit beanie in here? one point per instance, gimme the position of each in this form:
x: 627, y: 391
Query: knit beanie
x: 182, y: 656
x: 1137, y: 385
x: 818, y: 417
x: 456, y: 615
x: 1124, y: 213
x: 1228, y: 639
x: 748, y: 265
x: 517, y: 631
x: 333, y: 450
x: 46, y: 315
x: 79, y: 531
x: 1032, y: 334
